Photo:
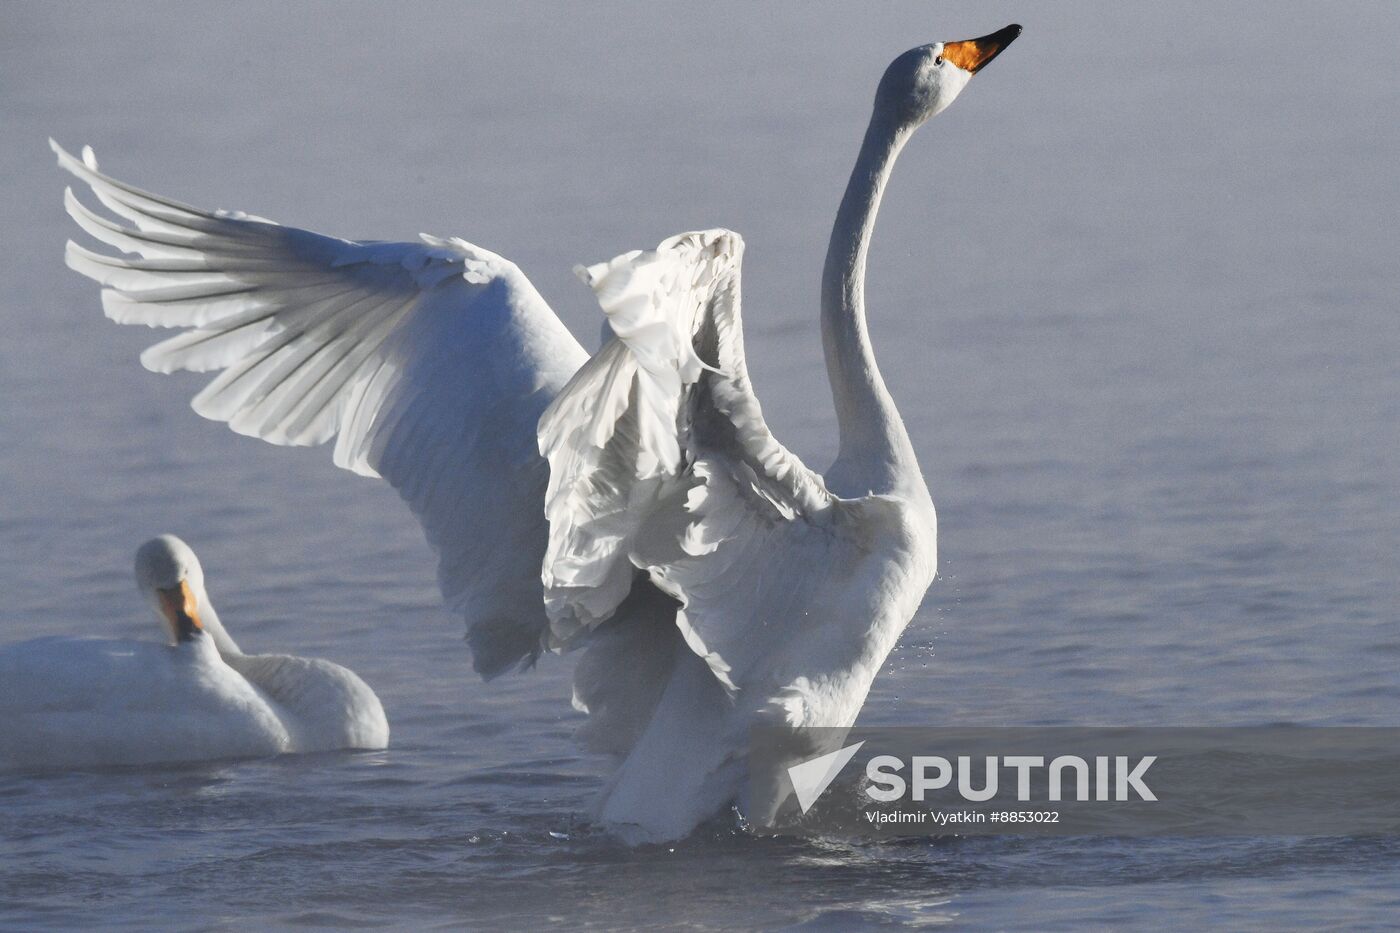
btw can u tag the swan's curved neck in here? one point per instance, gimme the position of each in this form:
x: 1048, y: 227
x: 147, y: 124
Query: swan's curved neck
x: 875, y: 454
x: 209, y: 620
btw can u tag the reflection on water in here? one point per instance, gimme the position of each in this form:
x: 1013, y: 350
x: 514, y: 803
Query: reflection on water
x: 1137, y: 304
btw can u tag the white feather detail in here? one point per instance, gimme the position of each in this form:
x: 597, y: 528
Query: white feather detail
x: 660, y: 460
x: 429, y: 362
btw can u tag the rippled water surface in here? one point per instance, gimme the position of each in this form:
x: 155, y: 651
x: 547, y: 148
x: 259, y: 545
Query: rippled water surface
x: 1136, y: 293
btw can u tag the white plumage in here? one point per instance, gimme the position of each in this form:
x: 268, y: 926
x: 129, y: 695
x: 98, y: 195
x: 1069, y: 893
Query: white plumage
x: 428, y: 362
x: 92, y: 702
x: 714, y: 580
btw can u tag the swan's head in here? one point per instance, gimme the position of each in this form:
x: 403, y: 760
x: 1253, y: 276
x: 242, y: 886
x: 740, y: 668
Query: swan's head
x: 923, y: 81
x: 169, y: 574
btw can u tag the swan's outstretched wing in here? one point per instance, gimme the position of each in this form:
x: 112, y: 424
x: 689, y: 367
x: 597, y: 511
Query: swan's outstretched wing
x: 660, y: 460
x: 429, y: 362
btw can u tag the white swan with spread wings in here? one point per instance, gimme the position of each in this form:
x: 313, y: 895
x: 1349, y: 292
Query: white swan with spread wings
x: 713, y: 580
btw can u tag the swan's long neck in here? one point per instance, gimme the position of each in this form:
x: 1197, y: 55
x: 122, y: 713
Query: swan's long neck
x: 875, y: 454
x: 209, y: 619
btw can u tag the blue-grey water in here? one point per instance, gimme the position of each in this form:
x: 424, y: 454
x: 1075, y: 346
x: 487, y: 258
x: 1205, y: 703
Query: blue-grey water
x: 1135, y: 292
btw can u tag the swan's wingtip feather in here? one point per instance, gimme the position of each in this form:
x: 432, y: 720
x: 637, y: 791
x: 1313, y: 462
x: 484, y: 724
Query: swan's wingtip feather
x: 154, y: 358
x: 355, y: 463
x: 590, y: 275
x: 66, y: 159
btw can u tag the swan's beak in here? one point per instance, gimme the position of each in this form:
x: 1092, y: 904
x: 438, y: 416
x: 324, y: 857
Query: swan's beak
x: 973, y: 54
x: 181, y: 610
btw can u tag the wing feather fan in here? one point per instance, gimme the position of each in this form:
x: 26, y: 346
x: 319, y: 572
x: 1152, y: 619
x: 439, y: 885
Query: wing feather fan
x: 430, y: 362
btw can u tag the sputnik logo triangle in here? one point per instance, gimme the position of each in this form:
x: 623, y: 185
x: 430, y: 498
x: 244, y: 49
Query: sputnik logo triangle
x: 811, y: 778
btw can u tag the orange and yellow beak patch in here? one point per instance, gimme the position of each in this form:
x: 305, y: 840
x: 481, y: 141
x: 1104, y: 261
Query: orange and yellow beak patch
x: 181, y: 610
x: 974, y: 54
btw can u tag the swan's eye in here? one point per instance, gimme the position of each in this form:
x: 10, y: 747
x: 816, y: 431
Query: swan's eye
x: 938, y: 60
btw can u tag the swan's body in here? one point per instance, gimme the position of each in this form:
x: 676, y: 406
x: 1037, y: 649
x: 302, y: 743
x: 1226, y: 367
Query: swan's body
x: 94, y: 702
x: 714, y: 581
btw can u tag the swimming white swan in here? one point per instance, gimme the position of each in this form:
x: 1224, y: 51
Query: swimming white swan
x: 714, y: 580
x: 90, y: 702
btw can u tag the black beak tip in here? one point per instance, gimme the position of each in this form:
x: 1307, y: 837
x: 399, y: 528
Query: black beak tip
x: 996, y: 43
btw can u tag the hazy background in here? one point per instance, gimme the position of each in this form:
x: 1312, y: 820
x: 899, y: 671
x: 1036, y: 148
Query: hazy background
x: 1135, y: 293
